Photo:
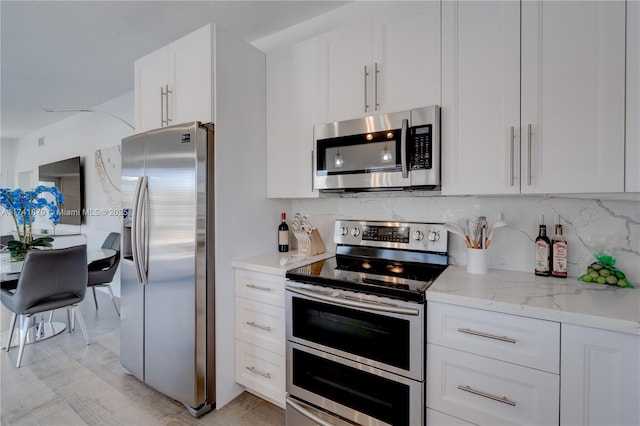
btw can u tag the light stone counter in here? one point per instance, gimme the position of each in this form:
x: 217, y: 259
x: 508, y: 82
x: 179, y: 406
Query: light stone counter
x: 270, y: 263
x: 521, y: 293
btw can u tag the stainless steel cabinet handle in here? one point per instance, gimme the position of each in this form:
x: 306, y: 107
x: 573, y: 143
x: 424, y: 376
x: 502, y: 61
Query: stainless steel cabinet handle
x: 376, y: 71
x: 502, y: 399
x: 529, y: 154
x: 354, y: 304
x: 256, y: 325
x: 257, y: 287
x: 488, y: 336
x: 262, y: 373
x: 366, y: 101
x: 511, y: 154
x: 403, y: 148
x: 306, y: 413
x: 162, y: 122
x: 166, y: 102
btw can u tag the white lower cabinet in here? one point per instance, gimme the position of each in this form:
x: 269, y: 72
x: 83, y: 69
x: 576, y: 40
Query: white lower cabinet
x: 260, y: 334
x: 600, y: 377
x: 489, y: 368
x: 490, y: 392
x: 437, y: 418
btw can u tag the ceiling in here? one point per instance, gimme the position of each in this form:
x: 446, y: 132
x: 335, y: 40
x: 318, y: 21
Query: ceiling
x: 57, y: 54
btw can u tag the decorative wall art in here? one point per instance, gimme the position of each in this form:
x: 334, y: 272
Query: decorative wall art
x: 108, y: 165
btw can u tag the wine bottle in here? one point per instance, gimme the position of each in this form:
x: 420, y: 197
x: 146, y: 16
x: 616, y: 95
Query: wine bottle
x: 283, y: 234
x: 543, y: 251
x: 559, y: 252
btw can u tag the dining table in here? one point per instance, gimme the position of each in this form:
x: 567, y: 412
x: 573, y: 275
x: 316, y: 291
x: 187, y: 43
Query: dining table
x: 42, y: 329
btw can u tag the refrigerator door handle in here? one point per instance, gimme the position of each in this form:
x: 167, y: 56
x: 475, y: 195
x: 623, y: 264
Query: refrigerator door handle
x: 137, y: 231
x: 144, y: 246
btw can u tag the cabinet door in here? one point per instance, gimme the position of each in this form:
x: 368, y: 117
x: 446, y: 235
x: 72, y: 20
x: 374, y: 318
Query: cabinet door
x: 632, y: 167
x: 600, y: 373
x: 573, y: 74
x: 480, y: 97
x: 190, y: 76
x: 489, y: 392
x: 406, y: 56
x: 344, y: 63
x: 292, y: 99
x: 151, y: 75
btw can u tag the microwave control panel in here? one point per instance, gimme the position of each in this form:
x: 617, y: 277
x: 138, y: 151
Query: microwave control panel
x: 420, y: 147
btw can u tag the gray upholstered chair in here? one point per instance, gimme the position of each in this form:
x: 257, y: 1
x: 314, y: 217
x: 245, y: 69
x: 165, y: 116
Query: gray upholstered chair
x: 101, y: 271
x: 4, y: 239
x: 50, y: 279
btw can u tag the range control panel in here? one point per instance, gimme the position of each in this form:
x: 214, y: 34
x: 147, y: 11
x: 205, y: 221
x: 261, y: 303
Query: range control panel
x: 398, y: 235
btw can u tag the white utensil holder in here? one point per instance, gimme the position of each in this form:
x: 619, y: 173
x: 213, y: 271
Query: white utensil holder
x: 477, y: 261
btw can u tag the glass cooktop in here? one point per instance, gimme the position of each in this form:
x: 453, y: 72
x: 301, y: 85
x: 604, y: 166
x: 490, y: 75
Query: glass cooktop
x: 392, y: 273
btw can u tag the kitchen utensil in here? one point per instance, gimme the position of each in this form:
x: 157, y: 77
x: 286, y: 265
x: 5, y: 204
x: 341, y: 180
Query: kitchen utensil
x: 308, y: 224
x: 482, y: 231
x: 464, y: 226
x: 474, y: 231
x: 492, y: 218
x: 499, y: 224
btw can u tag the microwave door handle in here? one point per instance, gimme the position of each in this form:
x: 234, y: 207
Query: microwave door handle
x: 403, y: 148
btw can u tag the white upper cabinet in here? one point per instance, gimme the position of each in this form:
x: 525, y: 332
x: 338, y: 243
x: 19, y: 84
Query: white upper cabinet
x: 480, y: 97
x: 151, y: 79
x: 632, y: 166
x: 573, y: 96
x: 389, y: 63
x: 173, y: 84
x: 406, y: 55
x: 292, y: 105
x: 533, y: 104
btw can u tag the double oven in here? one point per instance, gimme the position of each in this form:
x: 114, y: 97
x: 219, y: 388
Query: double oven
x: 356, y: 325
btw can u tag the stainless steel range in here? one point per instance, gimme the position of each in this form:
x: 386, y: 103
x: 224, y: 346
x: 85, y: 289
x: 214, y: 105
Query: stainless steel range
x: 356, y: 326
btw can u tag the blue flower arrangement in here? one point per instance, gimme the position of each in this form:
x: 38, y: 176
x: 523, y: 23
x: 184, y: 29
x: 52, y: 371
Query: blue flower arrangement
x: 24, y: 207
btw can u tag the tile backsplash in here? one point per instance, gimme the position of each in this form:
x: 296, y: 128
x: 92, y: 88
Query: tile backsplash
x: 590, y: 225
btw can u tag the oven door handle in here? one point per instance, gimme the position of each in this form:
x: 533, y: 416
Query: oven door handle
x: 305, y: 413
x: 354, y: 303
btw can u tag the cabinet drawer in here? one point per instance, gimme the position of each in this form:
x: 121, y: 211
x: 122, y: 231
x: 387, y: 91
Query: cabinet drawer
x: 525, y: 341
x: 436, y: 418
x: 260, y: 324
x: 260, y: 371
x: 261, y: 287
x: 489, y: 392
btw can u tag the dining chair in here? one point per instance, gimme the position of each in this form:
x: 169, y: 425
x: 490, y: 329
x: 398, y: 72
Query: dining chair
x: 4, y: 239
x: 101, y: 272
x: 50, y: 279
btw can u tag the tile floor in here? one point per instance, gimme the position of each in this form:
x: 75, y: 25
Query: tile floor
x: 62, y: 381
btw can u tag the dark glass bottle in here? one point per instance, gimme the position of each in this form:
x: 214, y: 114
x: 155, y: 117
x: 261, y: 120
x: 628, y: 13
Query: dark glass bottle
x: 543, y: 251
x: 283, y: 234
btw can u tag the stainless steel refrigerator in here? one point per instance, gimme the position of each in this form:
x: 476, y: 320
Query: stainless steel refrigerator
x: 167, y: 274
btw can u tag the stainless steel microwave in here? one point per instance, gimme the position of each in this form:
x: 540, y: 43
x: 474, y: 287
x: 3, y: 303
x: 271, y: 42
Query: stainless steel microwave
x: 392, y: 151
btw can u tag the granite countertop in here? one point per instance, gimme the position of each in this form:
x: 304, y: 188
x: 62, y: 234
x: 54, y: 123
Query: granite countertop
x: 522, y: 293
x: 270, y: 263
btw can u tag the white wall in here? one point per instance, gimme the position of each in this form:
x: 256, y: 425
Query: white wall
x: 79, y: 135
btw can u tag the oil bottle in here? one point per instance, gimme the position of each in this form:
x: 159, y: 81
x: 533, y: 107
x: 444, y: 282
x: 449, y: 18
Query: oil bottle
x: 543, y: 251
x: 559, y: 252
